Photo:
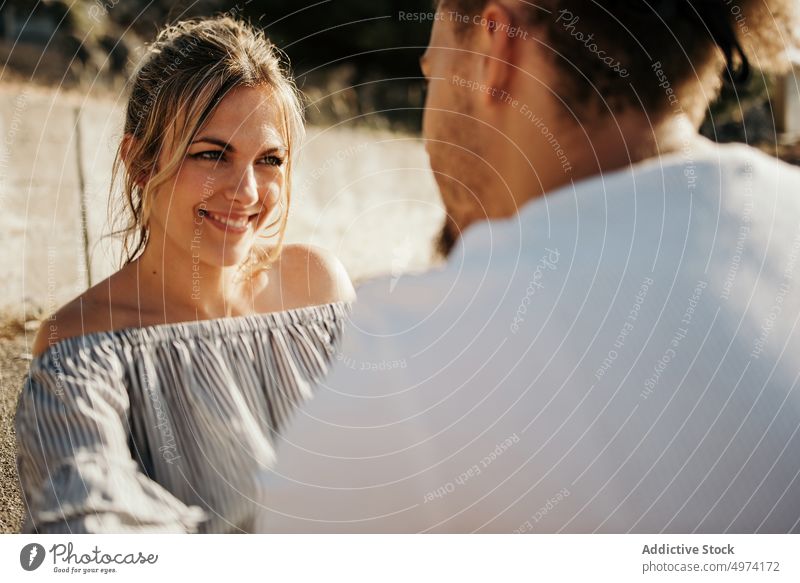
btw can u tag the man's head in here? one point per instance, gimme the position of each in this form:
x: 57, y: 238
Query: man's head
x: 525, y: 96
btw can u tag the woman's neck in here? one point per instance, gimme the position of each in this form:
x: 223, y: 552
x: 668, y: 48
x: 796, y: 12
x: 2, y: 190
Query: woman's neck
x: 173, y: 282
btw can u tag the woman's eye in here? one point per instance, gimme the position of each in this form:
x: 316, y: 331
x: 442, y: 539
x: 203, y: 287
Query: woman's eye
x: 209, y: 155
x: 273, y: 160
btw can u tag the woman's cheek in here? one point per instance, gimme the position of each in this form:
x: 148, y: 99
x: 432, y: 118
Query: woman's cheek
x: 197, y: 181
x: 273, y: 195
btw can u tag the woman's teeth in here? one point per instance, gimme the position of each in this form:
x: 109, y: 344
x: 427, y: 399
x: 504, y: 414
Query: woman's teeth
x: 235, y: 223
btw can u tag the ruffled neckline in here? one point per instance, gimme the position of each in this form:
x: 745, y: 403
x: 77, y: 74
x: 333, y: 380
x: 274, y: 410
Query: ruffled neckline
x: 193, y: 328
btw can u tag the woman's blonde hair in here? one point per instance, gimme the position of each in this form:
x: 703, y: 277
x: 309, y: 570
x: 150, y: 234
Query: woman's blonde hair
x: 186, y: 72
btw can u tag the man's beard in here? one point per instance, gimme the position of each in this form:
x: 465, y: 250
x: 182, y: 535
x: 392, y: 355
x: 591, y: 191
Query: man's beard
x: 448, y: 236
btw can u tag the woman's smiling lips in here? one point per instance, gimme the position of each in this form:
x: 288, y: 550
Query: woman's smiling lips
x: 230, y: 223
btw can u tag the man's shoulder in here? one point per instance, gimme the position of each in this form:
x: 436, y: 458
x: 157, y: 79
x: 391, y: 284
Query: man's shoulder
x: 742, y: 163
x: 753, y: 185
x: 404, y: 292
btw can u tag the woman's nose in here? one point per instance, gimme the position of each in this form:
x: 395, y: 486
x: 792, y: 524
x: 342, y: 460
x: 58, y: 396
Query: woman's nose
x: 245, y: 190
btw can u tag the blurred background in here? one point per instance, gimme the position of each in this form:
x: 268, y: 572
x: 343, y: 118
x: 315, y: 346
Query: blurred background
x: 353, y: 59
x: 363, y: 187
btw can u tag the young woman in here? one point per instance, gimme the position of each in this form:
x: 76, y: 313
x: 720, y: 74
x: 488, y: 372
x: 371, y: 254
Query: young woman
x: 153, y: 397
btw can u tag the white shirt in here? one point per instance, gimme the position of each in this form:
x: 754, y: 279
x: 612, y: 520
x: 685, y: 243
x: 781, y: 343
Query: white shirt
x: 620, y: 356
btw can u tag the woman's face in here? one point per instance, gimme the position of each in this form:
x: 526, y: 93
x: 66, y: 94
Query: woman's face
x: 229, y: 184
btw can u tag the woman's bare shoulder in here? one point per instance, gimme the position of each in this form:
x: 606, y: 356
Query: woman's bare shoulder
x: 312, y: 275
x: 98, y: 309
x: 68, y: 321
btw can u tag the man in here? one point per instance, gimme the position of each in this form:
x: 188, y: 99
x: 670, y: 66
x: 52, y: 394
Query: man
x: 611, y: 345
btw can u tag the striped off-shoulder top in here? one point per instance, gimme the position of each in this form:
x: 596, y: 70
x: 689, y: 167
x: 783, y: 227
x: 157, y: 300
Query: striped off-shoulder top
x: 169, y: 427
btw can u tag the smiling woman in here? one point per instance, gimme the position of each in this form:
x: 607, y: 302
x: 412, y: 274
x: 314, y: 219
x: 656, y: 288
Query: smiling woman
x: 226, y: 188
x: 154, y: 396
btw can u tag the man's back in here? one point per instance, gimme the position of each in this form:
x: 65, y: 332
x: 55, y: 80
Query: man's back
x: 618, y: 357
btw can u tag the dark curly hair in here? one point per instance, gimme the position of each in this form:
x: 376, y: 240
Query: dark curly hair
x: 652, y: 53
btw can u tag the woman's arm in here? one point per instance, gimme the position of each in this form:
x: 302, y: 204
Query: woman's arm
x: 75, y: 467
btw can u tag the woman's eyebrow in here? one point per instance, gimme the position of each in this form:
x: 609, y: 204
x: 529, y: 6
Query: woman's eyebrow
x: 228, y: 147
x: 216, y: 142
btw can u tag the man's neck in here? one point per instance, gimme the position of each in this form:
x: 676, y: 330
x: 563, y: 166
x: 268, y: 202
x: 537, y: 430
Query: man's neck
x: 604, y: 147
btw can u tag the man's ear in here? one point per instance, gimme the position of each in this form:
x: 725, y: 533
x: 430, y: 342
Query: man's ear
x: 499, y: 48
